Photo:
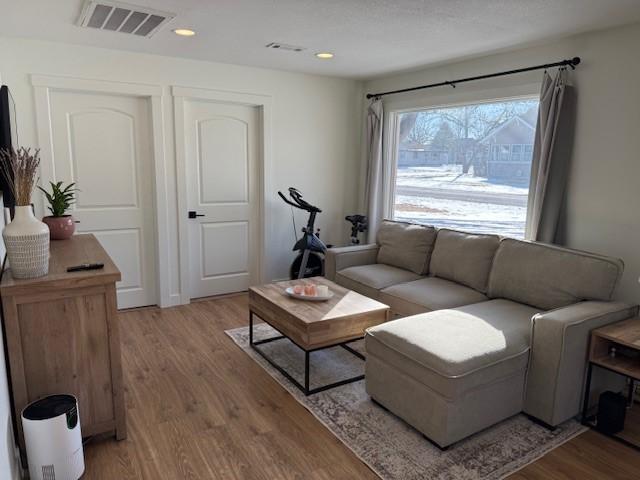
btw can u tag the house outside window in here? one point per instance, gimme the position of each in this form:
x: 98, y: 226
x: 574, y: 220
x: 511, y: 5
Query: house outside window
x: 466, y: 167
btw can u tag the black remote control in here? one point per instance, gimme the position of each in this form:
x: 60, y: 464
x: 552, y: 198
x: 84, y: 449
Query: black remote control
x: 86, y: 266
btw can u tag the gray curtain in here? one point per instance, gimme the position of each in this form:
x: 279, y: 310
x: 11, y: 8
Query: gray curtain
x: 374, y: 195
x: 550, y: 163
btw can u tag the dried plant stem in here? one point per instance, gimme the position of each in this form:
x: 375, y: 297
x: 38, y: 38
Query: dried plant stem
x: 20, y: 168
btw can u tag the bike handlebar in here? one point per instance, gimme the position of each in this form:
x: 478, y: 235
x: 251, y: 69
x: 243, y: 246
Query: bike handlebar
x: 286, y: 200
x: 298, y: 201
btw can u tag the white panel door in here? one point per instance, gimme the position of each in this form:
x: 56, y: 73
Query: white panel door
x: 103, y: 143
x: 221, y: 148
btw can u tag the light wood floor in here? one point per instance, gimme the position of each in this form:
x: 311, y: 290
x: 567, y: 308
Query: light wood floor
x: 199, y: 407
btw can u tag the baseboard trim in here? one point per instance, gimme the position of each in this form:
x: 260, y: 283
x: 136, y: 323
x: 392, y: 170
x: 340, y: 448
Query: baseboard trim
x: 174, y: 299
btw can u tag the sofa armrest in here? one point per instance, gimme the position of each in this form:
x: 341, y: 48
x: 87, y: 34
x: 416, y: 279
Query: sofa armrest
x: 558, y: 357
x: 337, y: 259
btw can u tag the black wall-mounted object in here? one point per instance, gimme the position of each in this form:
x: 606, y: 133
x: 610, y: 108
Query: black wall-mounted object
x: 8, y: 137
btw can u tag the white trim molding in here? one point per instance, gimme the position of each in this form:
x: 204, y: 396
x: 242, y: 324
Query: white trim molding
x: 265, y: 104
x: 391, y: 127
x: 44, y: 84
x: 59, y: 82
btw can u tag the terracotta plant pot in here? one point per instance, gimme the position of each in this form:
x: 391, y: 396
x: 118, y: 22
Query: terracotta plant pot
x: 61, y: 228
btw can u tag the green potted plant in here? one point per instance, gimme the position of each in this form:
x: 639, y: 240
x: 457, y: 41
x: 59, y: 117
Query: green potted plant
x: 61, y: 225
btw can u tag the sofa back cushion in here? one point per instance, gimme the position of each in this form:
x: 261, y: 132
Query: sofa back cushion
x: 406, y: 245
x: 549, y: 277
x: 464, y: 258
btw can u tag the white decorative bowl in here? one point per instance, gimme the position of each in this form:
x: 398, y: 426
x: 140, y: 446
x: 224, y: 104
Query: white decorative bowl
x: 309, y: 298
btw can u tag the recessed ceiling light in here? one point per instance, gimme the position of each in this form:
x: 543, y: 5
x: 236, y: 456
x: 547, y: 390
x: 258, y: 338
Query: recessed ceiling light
x: 324, y: 55
x: 184, y: 32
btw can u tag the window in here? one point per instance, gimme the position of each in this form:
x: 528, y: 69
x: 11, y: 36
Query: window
x: 466, y: 167
x: 516, y: 153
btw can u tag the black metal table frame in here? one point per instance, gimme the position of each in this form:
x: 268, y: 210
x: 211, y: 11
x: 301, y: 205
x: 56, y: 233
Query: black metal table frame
x: 307, y: 354
x: 586, y: 418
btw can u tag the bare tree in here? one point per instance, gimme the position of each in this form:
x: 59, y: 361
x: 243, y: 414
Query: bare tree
x: 472, y: 123
x: 425, y: 126
x: 407, y: 125
x: 460, y: 129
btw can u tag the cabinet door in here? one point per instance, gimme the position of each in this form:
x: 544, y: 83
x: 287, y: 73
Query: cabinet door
x: 65, y: 349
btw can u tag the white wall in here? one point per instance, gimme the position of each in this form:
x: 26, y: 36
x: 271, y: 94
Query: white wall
x: 8, y: 453
x: 9, y: 468
x: 603, y: 196
x: 316, y: 135
x: 316, y: 126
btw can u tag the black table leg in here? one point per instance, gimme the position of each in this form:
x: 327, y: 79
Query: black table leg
x: 304, y: 387
x: 306, y: 372
x: 250, y: 327
x: 587, y: 393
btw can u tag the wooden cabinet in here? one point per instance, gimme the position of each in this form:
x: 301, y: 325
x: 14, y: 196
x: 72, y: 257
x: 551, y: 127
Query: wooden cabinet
x: 62, y: 336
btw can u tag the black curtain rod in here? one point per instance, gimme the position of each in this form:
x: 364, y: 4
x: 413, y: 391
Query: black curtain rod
x: 571, y: 63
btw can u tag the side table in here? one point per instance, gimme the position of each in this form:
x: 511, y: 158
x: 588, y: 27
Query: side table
x: 624, y: 336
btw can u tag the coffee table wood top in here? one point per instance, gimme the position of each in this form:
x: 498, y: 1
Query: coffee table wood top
x: 314, y: 325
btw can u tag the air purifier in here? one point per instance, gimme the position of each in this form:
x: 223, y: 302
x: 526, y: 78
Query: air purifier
x: 52, y: 438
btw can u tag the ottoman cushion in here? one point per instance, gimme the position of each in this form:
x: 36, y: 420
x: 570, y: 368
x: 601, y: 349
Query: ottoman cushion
x: 455, y: 350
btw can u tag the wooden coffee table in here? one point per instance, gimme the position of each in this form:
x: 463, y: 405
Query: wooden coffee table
x: 313, y: 326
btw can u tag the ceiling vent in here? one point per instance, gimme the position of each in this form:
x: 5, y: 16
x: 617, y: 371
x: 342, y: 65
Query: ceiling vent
x: 122, y: 17
x: 284, y: 46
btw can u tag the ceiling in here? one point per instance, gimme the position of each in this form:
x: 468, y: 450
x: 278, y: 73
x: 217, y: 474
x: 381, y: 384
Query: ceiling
x: 368, y: 37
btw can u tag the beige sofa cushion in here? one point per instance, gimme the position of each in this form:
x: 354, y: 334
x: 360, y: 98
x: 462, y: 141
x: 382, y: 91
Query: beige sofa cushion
x: 370, y: 279
x: 550, y: 277
x: 406, y: 245
x: 464, y: 258
x: 426, y: 294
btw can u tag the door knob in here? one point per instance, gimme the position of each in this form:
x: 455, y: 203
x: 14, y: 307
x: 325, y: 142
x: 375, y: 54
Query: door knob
x: 193, y: 214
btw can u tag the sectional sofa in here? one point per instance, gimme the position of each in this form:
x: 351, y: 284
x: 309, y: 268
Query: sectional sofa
x: 486, y: 327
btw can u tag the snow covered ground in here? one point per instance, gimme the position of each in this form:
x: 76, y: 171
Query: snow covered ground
x: 475, y: 216
x: 451, y: 177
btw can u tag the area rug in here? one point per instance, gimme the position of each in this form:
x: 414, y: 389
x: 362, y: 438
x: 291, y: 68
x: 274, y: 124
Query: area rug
x: 389, y: 446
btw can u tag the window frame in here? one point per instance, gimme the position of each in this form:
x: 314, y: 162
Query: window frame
x: 393, y: 108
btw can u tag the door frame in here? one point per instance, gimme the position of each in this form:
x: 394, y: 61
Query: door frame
x: 43, y: 85
x: 264, y: 103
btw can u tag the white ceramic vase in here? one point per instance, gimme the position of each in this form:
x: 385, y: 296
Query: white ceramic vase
x: 27, y: 242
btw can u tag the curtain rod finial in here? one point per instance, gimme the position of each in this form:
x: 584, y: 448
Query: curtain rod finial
x: 575, y: 61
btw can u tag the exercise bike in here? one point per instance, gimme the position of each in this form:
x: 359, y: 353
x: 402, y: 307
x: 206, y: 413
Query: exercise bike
x: 309, y: 262
x: 359, y: 224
